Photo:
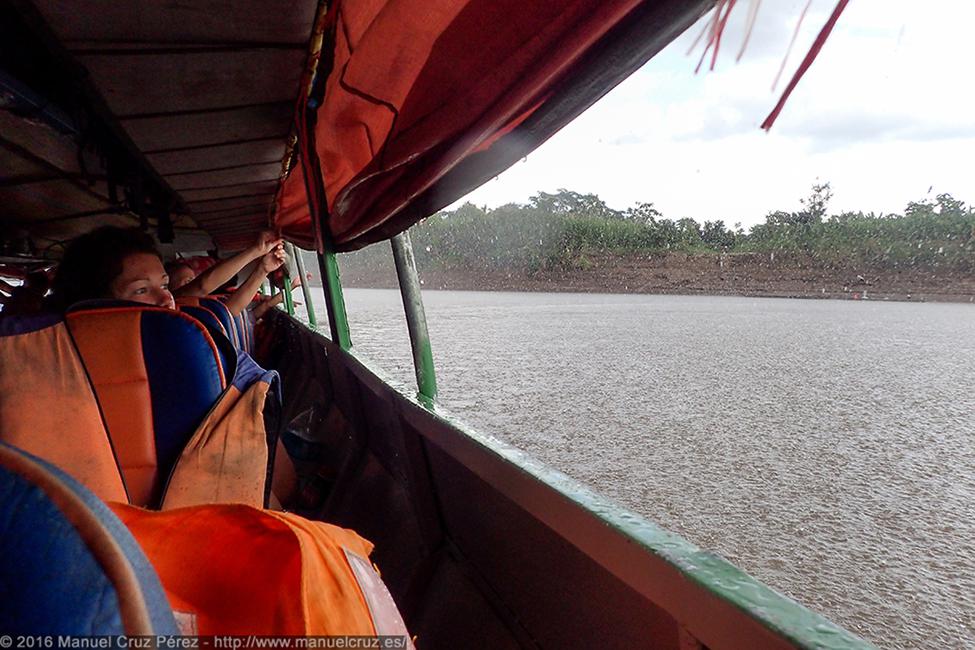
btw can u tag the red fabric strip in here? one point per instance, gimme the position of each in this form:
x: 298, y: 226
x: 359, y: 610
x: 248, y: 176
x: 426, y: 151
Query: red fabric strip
x: 712, y: 28
x: 806, y: 62
x: 717, y: 37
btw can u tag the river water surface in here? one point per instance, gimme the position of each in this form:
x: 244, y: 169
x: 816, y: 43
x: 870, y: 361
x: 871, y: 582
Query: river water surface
x: 825, y: 447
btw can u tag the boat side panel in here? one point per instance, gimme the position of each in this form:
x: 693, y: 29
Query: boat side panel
x: 465, y: 563
x: 564, y: 597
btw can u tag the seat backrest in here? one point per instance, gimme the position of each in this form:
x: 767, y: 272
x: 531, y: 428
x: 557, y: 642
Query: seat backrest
x: 156, y: 374
x: 48, y: 407
x: 220, y: 312
x: 226, y: 318
x: 205, y: 316
x: 250, y: 330
x: 244, y: 322
x: 68, y: 566
x: 211, y: 322
x: 241, y: 321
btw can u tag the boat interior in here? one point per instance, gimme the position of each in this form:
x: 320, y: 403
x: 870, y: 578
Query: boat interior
x: 338, y: 125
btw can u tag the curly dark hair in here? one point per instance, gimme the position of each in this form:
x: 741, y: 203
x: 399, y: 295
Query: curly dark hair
x: 92, y: 261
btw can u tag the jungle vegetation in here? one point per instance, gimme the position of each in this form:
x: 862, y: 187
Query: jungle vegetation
x: 567, y: 230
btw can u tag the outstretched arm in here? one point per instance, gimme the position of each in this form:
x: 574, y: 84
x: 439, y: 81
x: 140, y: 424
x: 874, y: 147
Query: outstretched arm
x: 264, y: 306
x: 218, y: 275
x: 238, y: 302
x: 275, y: 300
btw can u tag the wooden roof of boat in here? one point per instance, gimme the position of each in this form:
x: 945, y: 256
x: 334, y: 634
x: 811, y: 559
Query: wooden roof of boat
x: 180, y: 115
x: 198, y: 97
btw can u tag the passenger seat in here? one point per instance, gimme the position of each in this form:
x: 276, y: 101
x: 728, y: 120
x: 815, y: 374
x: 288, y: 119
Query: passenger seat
x: 220, y: 312
x: 141, y: 404
x: 156, y: 373
x: 47, y: 404
x: 68, y: 566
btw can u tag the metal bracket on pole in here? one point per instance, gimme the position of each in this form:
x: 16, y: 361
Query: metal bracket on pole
x: 416, y: 320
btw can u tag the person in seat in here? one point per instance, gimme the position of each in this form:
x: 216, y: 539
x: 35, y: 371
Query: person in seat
x: 180, y: 274
x: 123, y: 263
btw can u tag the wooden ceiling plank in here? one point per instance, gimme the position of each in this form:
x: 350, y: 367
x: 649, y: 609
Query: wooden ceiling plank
x: 58, y: 150
x: 230, y: 191
x: 181, y: 22
x: 218, y: 157
x: 234, y: 202
x: 158, y: 82
x: 248, y: 175
x: 237, y: 211
x: 46, y: 200
x: 210, y: 127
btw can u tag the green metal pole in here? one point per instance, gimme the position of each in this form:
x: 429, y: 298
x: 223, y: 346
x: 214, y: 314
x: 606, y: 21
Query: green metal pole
x: 305, y: 289
x: 416, y: 320
x: 289, y: 303
x: 271, y: 289
x: 338, y: 319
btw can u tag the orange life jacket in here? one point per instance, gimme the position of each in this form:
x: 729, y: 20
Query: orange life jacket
x: 233, y: 569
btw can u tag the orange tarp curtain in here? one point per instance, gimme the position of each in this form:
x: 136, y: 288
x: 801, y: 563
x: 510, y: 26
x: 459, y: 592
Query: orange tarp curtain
x: 417, y: 87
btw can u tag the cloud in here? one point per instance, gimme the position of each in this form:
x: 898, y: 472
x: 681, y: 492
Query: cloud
x: 772, y: 31
x: 883, y: 114
x: 841, y: 128
x: 627, y: 139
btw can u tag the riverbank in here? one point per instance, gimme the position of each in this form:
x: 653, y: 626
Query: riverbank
x: 736, y: 274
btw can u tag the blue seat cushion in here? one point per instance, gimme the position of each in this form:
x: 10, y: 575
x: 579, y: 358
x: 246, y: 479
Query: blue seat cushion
x: 65, y: 558
x: 226, y: 319
x: 209, y: 320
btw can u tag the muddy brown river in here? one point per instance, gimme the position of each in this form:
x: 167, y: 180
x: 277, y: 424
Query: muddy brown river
x: 825, y: 447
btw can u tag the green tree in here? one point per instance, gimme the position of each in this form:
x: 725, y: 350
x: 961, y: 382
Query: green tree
x: 716, y: 235
x: 815, y: 205
x: 689, y: 232
x: 565, y: 202
x: 644, y: 213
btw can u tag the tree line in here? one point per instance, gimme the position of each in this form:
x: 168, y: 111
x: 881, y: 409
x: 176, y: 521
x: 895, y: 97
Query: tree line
x: 566, y: 230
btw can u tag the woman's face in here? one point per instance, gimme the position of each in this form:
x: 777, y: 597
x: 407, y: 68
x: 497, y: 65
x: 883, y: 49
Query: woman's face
x: 143, y: 279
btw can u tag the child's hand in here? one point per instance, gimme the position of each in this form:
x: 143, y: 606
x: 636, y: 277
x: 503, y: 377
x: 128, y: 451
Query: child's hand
x: 266, y: 242
x: 273, y: 260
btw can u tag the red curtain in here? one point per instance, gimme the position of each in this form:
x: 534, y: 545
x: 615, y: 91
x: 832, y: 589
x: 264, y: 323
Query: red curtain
x: 418, y: 87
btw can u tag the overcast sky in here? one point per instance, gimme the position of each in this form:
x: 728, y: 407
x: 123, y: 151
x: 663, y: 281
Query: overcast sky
x: 884, y: 114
